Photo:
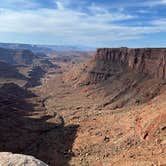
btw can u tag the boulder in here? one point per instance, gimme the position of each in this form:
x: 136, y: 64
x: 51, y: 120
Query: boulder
x: 10, y: 159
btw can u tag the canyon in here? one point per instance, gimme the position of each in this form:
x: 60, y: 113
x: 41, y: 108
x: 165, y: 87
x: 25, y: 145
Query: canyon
x: 96, y: 108
x: 151, y: 61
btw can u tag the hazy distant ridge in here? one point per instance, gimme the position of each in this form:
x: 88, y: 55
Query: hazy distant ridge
x: 44, y: 48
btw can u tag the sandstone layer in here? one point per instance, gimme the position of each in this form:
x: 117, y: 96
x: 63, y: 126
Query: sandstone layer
x: 123, y: 76
x: 151, y: 61
x: 117, y: 117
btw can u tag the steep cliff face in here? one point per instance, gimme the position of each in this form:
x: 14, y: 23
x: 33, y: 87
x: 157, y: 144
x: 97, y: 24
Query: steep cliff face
x: 108, y: 61
x: 125, y: 76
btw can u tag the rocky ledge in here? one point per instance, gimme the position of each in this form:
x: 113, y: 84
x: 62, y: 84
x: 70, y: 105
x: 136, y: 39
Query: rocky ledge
x: 8, y: 159
x: 151, y: 61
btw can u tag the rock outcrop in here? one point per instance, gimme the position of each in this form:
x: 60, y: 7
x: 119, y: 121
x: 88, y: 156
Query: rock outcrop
x: 34, y: 77
x: 109, y: 61
x: 8, y: 159
x: 17, y: 57
x: 10, y: 71
x: 125, y: 76
x: 23, y: 57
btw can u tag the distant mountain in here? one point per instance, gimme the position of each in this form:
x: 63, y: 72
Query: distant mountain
x: 44, y: 48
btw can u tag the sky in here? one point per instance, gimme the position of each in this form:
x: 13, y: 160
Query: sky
x: 94, y: 23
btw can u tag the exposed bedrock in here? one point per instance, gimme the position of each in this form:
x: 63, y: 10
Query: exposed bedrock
x: 109, y: 61
x: 8, y: 159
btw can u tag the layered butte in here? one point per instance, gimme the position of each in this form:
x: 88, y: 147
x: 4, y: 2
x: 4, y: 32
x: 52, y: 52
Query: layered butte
x: 124, y: 76
x: 108, y: 61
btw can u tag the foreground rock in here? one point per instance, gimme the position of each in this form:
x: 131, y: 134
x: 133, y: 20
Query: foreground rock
x: 8, y: 159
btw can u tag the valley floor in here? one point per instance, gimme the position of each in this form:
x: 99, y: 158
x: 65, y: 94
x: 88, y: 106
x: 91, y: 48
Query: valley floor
x: 126, y: 136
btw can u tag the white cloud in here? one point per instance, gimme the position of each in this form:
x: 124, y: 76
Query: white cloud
x: 51, y: 20
x: 159, y: 22
x: 95, y: 8
x: 153, y: 3
x: 139, y: 3
x: 60, y: 5
x: 74, y: 26
x: 163, y: 1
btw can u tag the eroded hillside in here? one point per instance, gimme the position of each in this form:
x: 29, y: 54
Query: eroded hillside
x: 109, y: 111
x: 119, y: 105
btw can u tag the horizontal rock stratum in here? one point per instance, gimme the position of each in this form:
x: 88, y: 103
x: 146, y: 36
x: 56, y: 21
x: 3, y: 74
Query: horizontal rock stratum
x: 125, y: 76
x: 151, y: 61
x: 10, y: 159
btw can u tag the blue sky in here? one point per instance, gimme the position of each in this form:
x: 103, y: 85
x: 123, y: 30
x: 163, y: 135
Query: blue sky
x: 96, y: 23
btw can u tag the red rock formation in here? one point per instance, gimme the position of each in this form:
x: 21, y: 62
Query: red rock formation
x: 151, y: 61
x: 125, y: 76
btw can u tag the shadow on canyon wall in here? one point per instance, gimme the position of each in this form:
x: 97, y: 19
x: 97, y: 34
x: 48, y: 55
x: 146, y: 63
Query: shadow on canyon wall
x: 126, y: 76
x: 26, y: 129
